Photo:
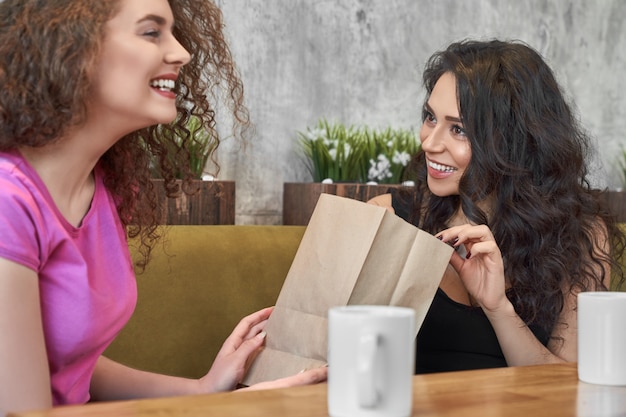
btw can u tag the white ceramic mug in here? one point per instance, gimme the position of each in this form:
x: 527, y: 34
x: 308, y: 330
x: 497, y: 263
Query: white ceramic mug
x: 602, y: 337
x: 371, y: 355
x: 600, y: 400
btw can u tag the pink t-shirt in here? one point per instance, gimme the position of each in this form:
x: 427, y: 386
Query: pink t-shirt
x: 86, y: 280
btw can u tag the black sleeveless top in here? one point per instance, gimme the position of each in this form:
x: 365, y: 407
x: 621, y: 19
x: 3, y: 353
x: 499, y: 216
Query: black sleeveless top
x: 455, y: 336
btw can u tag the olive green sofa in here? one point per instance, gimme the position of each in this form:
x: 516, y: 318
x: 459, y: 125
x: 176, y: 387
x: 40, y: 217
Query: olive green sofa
x: 198, y: 286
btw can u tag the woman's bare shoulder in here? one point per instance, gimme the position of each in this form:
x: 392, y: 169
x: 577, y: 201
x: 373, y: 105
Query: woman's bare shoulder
x: 383, y: 200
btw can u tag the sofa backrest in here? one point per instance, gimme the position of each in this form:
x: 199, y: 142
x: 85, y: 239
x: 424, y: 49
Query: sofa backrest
x: 196, y: 288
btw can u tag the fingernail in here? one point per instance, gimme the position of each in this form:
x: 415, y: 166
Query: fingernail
x: 452, y: 242
x: 302, y: 371
x: 469, y: 255
x: 262, y: 335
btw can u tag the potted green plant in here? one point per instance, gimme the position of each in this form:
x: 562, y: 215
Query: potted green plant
x: 358, y: 154
x: 622, y: 165
x: 212, y: 202
x: 351, y: 161
x: 200, y: 146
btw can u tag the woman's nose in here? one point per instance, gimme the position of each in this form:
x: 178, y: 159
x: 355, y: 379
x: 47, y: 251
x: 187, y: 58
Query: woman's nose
x: 177, y: 54
x: 431, y: 139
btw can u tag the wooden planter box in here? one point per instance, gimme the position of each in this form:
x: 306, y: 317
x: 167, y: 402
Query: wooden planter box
x: 299, y: 198
x: 616, y: 201
x: 214, y: 203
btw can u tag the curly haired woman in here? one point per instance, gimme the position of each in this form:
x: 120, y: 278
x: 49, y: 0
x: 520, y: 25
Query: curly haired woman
x: 502, y: 178
x: 88, y: 89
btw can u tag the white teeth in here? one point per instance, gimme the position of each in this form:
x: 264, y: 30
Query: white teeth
x: 165, y: 85
x: 439, y: 167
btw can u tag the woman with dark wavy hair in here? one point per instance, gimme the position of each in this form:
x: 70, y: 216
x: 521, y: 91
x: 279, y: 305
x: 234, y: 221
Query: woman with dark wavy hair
x: 502, y: 178
x: 88, y: 89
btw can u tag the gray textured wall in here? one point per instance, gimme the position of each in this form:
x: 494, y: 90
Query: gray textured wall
x: 360, y: 61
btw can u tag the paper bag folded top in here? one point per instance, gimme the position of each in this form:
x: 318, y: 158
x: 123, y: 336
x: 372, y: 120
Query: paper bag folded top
x: 351, y: 253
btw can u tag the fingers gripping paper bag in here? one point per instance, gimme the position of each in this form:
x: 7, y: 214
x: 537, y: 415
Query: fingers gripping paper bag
x: 351, y: 253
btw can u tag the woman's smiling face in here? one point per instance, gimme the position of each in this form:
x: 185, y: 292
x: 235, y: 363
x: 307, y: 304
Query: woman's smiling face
x: 138, y: 67
x: 445, y: 144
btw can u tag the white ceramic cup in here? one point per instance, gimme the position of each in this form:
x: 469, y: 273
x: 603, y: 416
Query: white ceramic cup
x: 602, y: 338
x: 371, y: 355
x: 600, y: 400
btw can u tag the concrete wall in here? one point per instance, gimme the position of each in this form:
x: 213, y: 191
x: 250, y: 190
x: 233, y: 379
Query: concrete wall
x: 360, y: 61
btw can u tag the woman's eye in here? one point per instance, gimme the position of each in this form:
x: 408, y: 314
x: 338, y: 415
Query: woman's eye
x: 428, y: 117
x: 458, y: 130
x: 152, y: 33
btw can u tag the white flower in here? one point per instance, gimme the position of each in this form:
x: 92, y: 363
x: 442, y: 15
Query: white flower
x: 333, y: 154
x: 346, y: 150
x: 331, y: 143
x: 316, y: 134
x: 380, y: 169
x: 401, y: 158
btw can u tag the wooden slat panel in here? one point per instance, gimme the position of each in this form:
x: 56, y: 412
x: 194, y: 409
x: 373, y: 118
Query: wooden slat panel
x: 214, y: 203
x: 299, y: 199
x: 616, y: 201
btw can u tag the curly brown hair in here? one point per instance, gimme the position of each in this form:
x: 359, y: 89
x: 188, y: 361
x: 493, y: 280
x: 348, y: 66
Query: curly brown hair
x: 48, y: 49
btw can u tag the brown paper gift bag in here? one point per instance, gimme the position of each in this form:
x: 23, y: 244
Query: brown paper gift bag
x: 351, y: 253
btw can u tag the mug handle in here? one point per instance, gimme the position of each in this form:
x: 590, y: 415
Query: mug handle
x: 366, y: 356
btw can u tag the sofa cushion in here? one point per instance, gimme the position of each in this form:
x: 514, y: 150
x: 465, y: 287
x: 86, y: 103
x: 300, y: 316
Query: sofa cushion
x: 200, y: 282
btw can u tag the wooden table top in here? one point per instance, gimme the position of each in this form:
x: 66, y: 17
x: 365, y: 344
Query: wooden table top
x: 535, y: 391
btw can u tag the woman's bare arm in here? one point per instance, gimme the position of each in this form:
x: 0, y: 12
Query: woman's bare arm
x: 25, y: 377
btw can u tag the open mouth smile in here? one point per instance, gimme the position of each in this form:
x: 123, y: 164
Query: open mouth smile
x: 163, y: 85
x: 440, y: 167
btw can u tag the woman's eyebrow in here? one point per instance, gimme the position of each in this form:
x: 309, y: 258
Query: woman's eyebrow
x: 448, y: 118
x: 160, y: 20
x: 155, y: 18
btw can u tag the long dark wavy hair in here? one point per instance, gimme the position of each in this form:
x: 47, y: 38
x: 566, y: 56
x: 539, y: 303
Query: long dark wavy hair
x: 48, y: 51
x: 528, y: 163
